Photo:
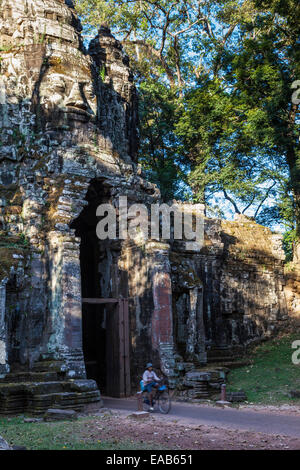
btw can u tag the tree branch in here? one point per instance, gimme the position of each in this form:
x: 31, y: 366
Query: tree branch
x: 263, y: 200
x: 155, y: 53
x: 232, y: 201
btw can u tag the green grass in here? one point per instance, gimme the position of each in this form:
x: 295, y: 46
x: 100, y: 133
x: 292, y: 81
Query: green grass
x: 271, y: 376
x: 64, y: 435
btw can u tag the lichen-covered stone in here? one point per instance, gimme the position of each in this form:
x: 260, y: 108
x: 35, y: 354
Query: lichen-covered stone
x: 69, y: 140
x: 292, y: 290
x: 53, y: 414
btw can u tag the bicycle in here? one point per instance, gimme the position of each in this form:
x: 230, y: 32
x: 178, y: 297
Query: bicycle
x: 161, y: 399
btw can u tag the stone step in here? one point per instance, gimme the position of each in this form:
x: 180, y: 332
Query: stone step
x: 223, y: 355
x: 232, y: 364
x: 221, y: 352
x: 38, y: 404
x: 37, y: 397
x: 40, y: 366
x: 220, y: 360
x: 55, y: 414
x: 46, y: 366
x: 198, y: 390
x: 79, y: 385
x: 166, y: 348
x: 18, y: 377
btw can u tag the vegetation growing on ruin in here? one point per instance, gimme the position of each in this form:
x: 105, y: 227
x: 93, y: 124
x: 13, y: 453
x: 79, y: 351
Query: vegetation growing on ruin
x: 12, y: 249
x: 248, y: 240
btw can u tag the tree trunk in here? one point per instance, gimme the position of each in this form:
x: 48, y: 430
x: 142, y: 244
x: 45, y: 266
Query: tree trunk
x: 294, y: 170
x: 296, y: 247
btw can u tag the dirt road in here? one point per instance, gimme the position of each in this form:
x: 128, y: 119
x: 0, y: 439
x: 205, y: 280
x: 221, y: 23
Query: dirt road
x: 226, y: 418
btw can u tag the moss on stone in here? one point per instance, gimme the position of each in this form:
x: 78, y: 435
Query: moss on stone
x: 247, y: 238
x: 10, y: 246
x: 185, y: 272
x: 63, y: 67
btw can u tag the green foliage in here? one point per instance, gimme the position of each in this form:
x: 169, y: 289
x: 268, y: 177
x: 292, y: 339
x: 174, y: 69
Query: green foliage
x: 264, y: 70
x: 225, y: 159
x: 6, y: 48
x: 160, y: 150
x: 161, y: 39
x: 66, y: 435
x: 289, y: 240
x: 217, y: 120
x: 102, y: 73
x: 271, y: 376
x: 24, y: 241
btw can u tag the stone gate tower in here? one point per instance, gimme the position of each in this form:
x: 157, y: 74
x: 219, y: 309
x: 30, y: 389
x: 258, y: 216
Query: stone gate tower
x: 68, y: 120
x: 68, y: 143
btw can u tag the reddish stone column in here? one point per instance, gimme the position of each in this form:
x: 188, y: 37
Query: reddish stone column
x: 162, y: 325
x: 162, y: 320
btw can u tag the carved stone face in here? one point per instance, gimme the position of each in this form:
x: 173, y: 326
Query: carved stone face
x: 67, y: 94
x: 48, y: 89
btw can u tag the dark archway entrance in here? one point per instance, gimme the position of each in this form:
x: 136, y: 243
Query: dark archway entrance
x: 116, y: 340
x: 104, y: 311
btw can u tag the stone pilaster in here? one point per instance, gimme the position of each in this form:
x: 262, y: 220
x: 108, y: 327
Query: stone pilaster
x: 65, y: 304
x: 162, y: 318
x: 195, y: 346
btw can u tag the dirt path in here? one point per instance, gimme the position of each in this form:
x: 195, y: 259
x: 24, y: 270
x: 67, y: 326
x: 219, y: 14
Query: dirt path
x: 171, y: 433
x: 227, y: 418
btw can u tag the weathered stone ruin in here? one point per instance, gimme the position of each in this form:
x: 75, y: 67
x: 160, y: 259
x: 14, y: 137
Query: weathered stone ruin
x: 68, y: 132
x: 292, y: 291
x: 69, y: 143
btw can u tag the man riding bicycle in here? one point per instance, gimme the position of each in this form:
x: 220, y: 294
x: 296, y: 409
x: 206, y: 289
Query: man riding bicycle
x: 150, y: 381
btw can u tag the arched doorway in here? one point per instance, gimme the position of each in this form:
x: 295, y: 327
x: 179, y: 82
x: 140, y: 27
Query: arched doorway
x: 105, y: 330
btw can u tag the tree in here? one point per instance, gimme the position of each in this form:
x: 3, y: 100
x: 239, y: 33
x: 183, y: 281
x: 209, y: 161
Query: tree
x: 215, y: 80
x: 224, y: 159
x: 241, y: 124
x: 265, y: 70
x: 169, y: 44
x: 161, y: 154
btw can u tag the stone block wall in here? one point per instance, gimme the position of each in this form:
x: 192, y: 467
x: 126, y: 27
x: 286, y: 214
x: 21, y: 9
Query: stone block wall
x: 292, y: 290
x: 238, y: 277
x: 68, y: 118
x: 252, y: 281
x: 69, y: 142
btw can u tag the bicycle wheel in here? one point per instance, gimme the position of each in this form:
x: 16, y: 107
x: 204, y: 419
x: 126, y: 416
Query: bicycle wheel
x: 164, y: 403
